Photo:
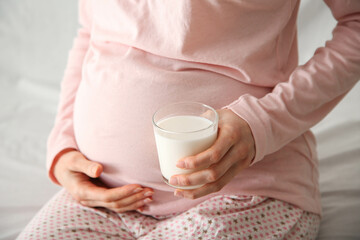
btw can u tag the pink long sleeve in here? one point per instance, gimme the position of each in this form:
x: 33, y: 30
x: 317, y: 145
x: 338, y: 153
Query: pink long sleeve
x: 312, y: 90
x: 62, y: 135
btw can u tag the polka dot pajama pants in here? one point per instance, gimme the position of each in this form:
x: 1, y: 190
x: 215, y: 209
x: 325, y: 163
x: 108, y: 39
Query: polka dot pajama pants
x: 221, y: 217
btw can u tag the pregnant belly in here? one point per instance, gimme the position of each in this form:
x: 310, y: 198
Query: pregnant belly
x: 115, y: 103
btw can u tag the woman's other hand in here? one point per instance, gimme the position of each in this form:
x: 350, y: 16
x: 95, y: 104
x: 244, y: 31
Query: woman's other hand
x: 232, y: 151
x: 76, y: 173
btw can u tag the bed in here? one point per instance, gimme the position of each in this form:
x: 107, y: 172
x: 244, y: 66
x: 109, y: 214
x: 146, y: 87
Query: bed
x: 35, y: 37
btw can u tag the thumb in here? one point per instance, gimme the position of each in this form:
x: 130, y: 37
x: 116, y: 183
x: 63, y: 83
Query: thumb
x: 83, y: 165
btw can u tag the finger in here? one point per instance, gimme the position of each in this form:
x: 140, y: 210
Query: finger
x: 122, y: 203
x: 135, y: 206
x: 80, y: 164
x: 224, y: 141
x: 210, y: 187
x: 208, y: 175
x: 89, y: 191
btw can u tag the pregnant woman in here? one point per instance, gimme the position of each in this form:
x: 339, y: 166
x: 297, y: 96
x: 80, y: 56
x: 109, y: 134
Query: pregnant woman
x: 261, y: 175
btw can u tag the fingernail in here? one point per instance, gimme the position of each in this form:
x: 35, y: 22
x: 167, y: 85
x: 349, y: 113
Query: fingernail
x: 180, y: 164
x: 147, y: 200
x: 178, y: 194
x: 174, y: 181
x: 137, y: 190
x: 148, y: 194
x: 94, y: 168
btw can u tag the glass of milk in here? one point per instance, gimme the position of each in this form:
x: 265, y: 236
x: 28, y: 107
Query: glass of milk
x: 181, y: 130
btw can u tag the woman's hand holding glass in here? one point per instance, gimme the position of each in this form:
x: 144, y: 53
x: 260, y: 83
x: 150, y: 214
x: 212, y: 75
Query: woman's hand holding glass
x: 233, y: 151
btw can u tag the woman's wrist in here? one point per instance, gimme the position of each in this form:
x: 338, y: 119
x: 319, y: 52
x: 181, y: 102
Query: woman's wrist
x: 55, y: 163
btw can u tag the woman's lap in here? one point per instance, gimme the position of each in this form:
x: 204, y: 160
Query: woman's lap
x: 221, y: 217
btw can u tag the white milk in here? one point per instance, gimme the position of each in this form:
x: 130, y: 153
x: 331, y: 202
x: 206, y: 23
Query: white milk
x: 187, y: 141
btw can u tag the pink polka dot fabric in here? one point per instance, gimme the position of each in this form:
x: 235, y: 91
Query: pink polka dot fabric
x: 221, y: 217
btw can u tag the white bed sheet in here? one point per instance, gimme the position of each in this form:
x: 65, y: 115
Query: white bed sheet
x: 35, y: 37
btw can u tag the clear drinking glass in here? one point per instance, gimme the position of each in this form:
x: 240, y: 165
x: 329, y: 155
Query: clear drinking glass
x: 183, y: 129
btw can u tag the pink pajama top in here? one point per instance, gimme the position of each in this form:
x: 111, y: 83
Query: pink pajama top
x: 132, y: 57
